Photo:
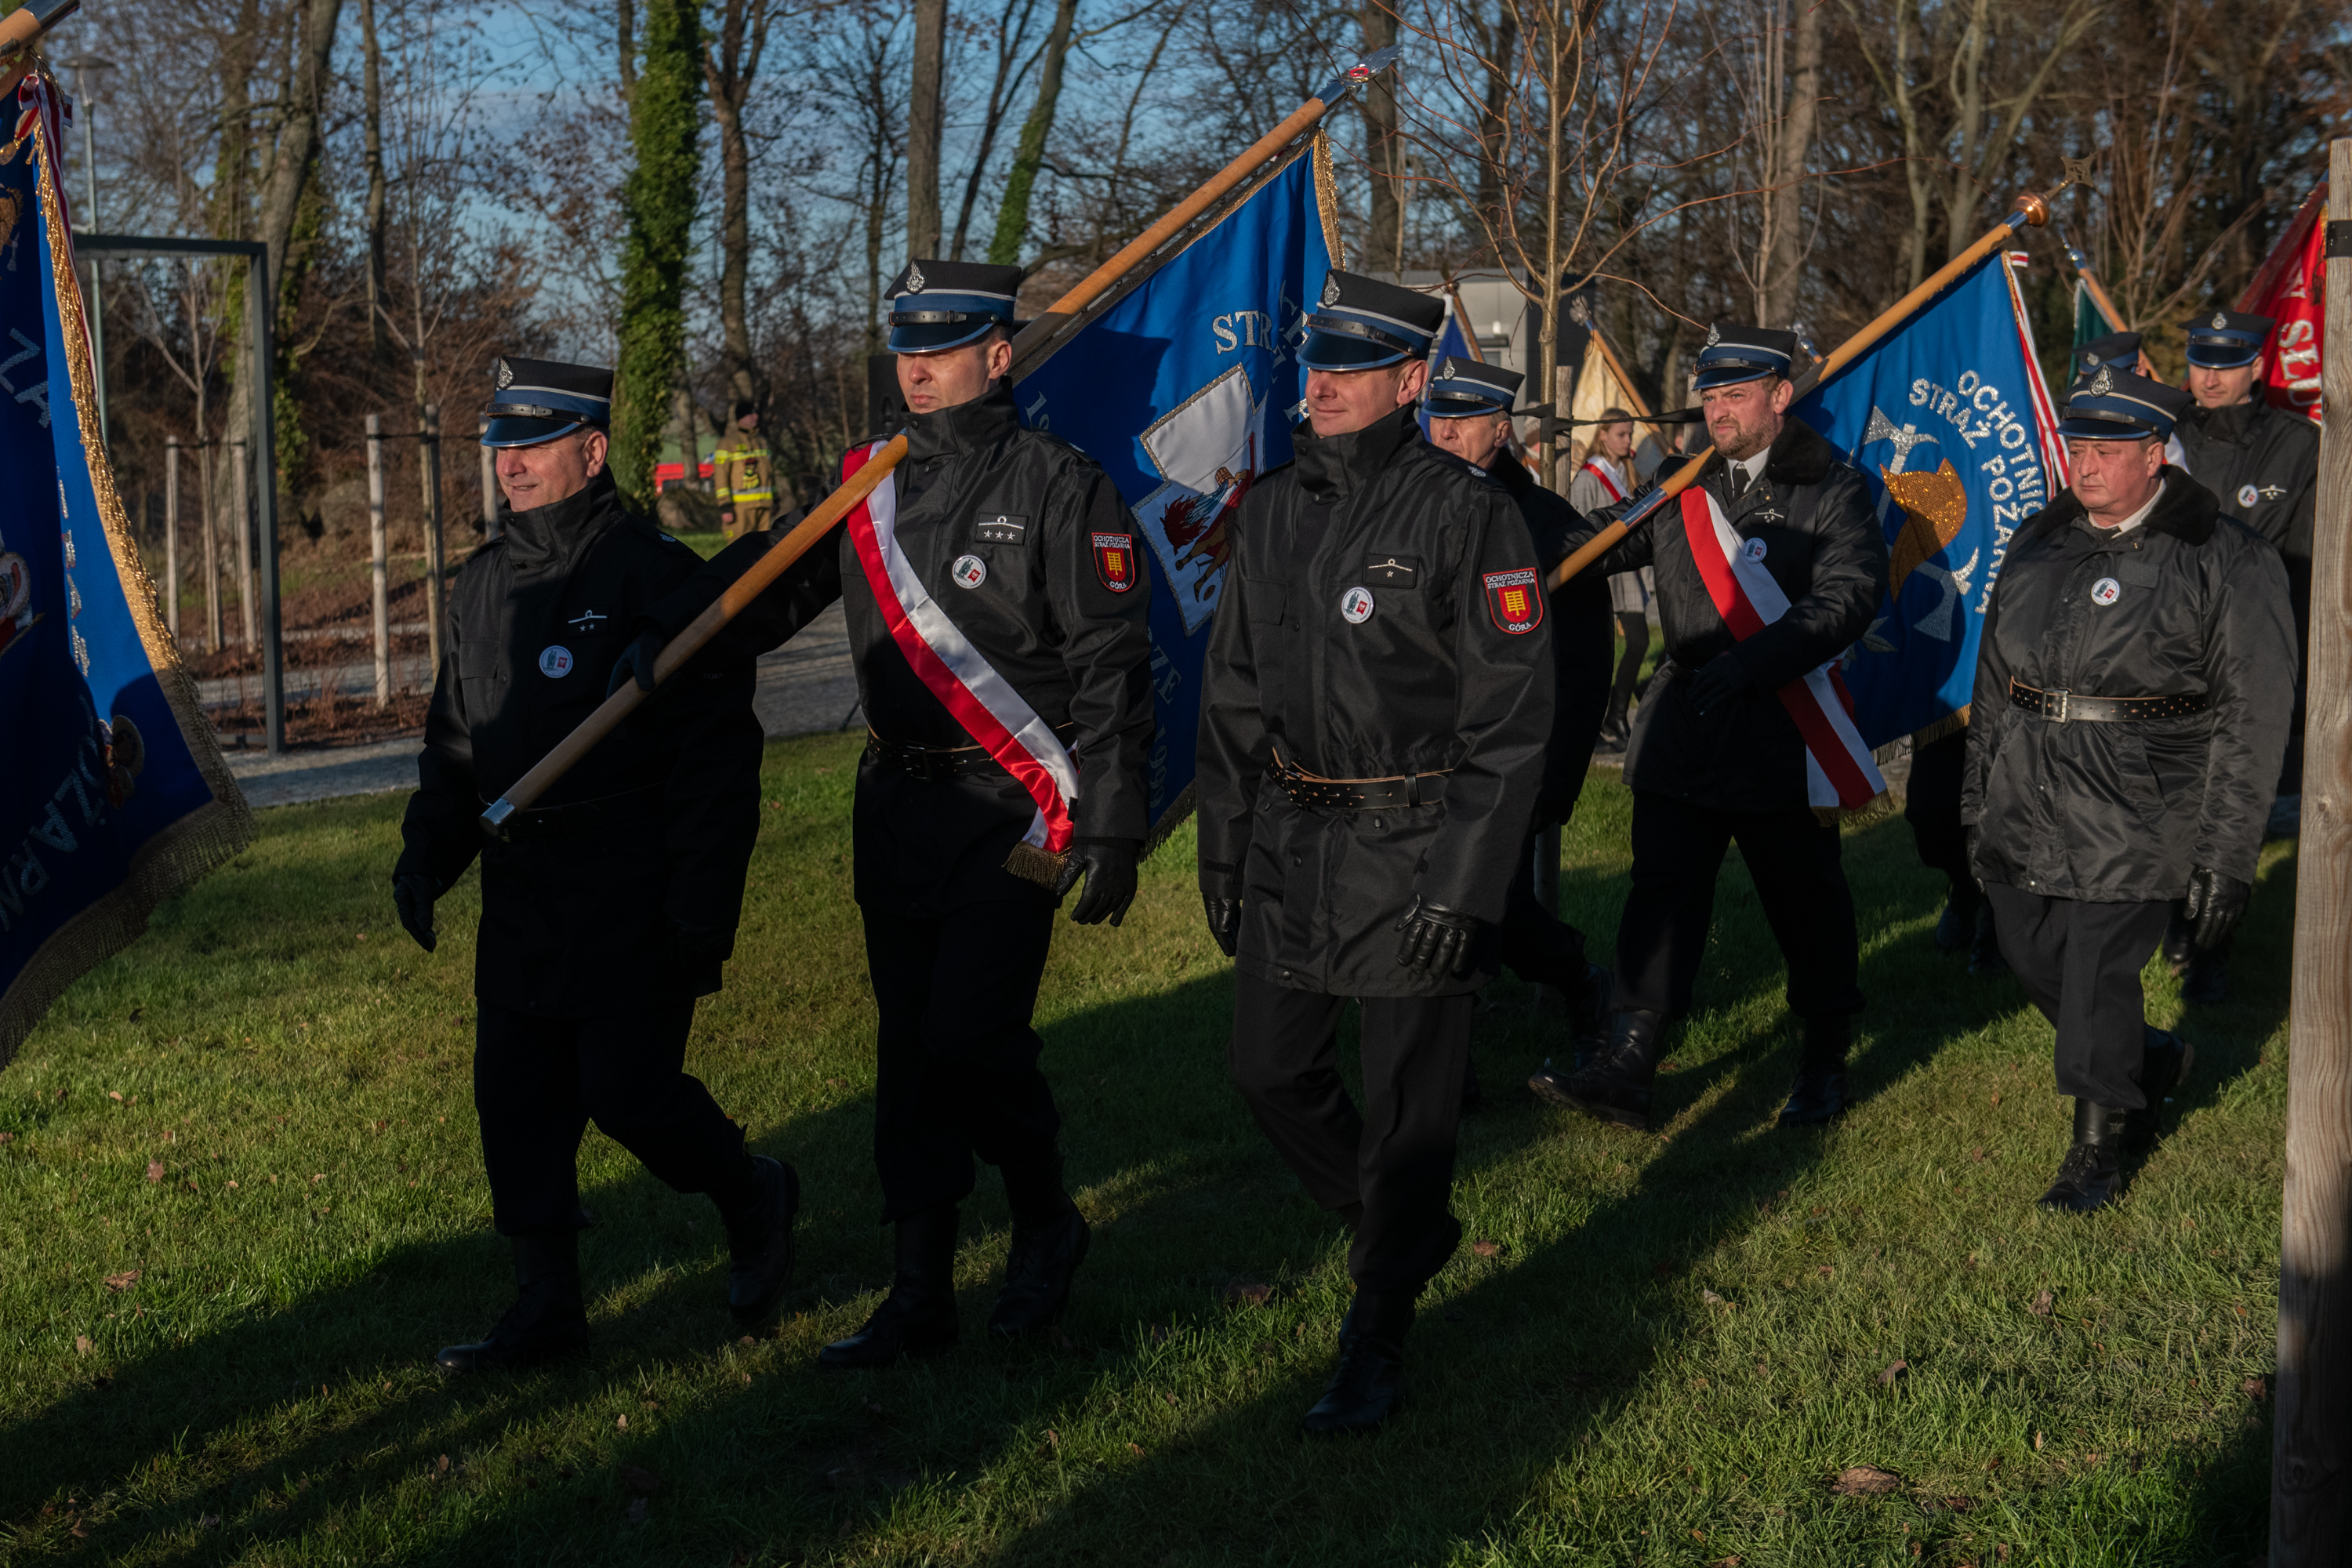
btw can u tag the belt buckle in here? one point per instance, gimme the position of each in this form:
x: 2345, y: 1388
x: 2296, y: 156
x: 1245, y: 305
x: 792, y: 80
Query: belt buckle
x: 2065, y: 704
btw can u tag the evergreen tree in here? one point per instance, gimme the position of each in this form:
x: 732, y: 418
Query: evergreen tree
x: 665, y: 121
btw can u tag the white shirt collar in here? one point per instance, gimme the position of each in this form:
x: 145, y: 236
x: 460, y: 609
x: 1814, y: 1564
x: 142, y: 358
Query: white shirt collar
x: 2135, y: 518
x: 1750, y: 469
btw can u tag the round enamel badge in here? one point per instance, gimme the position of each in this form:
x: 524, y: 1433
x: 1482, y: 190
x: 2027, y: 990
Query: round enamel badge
x: 2248, y: 495
x: 2106, y: 591
x: 1753, y: 550
x: 969, y: 571
x: 1356, y: 607
x: 555, y: 662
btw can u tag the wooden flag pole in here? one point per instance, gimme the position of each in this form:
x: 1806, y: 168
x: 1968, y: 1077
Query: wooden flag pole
x: 2090, y: 281
x: 698, y: 631
x: 2031, y: 209
x: 2311, y: 1434
x: 1029, y: 348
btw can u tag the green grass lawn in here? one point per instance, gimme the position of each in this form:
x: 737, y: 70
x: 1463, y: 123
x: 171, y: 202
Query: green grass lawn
x: 243, y: 1205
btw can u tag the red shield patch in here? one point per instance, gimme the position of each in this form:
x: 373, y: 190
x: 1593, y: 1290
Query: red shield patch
x: 1115, y: 561
x: 1515, y: 600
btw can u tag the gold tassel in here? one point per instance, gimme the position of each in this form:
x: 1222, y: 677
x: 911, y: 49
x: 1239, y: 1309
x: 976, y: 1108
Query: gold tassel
x: 1032, y: 864
x: 1939, y: 729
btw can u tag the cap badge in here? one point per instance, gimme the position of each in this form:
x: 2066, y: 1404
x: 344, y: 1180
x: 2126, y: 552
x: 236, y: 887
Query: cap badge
x: 1714, y: 336
x: 1445, y: 371
x: 2102, y: 384
x: 2091, y: 360
x: 2220, y: 321
x: 1330, y: 291
x: 915, y: 279
x: 506, y: 376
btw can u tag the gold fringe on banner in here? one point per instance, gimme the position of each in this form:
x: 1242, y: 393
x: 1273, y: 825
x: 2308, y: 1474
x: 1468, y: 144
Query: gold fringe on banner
x: 207, y: 836
x: 1326, y: 201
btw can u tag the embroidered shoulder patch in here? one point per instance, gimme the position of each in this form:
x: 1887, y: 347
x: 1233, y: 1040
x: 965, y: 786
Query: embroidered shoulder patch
x: 1515, y: 600
x: 1115, y: 561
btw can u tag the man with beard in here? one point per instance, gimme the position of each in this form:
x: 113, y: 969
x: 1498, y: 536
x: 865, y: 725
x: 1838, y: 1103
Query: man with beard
x: 1718, y: 754
x: 608, y: 906
x: 1375, y: 704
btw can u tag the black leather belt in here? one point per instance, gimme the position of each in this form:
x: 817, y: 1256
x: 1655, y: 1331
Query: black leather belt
x: 2061, y: 707
x: 934, y: 764
x: 1356, y: 794
x: 580, y: 817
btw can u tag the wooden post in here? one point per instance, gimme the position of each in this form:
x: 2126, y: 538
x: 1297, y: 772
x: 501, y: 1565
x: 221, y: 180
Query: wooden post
x: 428, y: 465
x: 172, y: 538
x: 214, y: 634
x: 241, y: 482
x: 379, y: 562
x: 492, y: 529
x: 2311, y: 1453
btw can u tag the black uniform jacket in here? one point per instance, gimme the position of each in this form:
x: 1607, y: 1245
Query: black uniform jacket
x: 1583, y: 639
x: 1824, y: 546
x: 639, y: 902
x: 2253, y: 451
x: 2122, y: 812
x: 1437, y: 675
x: 1046, y: 616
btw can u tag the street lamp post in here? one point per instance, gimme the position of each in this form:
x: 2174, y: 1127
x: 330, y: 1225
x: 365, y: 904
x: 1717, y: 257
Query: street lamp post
x: 81, y: 65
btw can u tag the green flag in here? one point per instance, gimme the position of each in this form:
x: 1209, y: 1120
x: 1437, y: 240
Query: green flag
x: 2090, y: 322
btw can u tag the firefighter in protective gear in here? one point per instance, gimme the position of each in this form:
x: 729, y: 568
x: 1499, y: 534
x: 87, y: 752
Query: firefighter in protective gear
x: 743, y: 469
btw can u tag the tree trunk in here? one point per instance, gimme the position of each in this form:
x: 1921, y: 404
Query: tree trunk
x: 1784, y: 248
x: 730, y: 70
x: 924, y: 115
x: 658, y: 201
x: 1502, y: 46
x: 624, y: 28
x: 1013, y: 31
x: 372, y: 134
x: 1029, y: 153
x: 1384, y: 244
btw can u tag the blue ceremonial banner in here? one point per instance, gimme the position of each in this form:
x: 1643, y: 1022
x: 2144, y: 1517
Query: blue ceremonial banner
x: 1181, y: 391
x: 114, y: 793
x: 1949, y: 421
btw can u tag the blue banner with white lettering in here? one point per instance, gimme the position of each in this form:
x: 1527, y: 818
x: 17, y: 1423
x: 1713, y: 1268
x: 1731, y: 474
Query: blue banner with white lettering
x: 114, y: 793
x: 1949, y: 421
x: 1181, y: 391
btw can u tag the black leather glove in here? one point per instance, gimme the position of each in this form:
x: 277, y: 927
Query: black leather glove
x: 1722, y: 679
x: 1108, y: 866
x: 1224, y: 922
x: 637, y: 659
x: 2215, y: 904
x: 413, y: 895
x: 1437, y: 939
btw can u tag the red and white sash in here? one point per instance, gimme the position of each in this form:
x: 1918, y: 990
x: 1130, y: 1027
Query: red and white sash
x: 943, y: 659
x: 1839, y: 771
x: 1610, y: 480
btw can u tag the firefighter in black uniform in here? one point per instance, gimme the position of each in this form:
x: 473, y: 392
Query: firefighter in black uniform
x: 1375, y: 706
x: 1025, y: 545
x: 608, y: 906
x: 2132, y: 697
x: 2261, y: 464
x: 1715, y: 755
x: 1469, y: 408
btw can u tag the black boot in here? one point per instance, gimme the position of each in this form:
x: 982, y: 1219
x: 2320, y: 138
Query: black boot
x: 1049, y: 1241
x: 1588, y: 1022
x: 1818, y: 1097
x: 2206, y: 979
x: 2087, y: 1177
x: 1369, y: 1382
x: 2165, y: 1066
x: 918, y: 1315
x: 1615, y: 1085
x: 1984, y: 947
x: 759, y: 1236
x: 547, y: 1322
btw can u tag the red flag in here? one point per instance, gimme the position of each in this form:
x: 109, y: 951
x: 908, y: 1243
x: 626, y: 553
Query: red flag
x: 2291, y: 290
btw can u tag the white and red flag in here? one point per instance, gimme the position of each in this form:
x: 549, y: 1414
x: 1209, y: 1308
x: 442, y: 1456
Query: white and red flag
x: 2291, y: 290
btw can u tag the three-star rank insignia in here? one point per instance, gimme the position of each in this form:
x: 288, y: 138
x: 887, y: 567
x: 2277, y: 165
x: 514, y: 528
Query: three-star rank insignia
x: 1515, y: 600
x: 1115, y: 561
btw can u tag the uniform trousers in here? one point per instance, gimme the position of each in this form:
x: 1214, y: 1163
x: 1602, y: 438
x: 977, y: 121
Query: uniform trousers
x: 1395, y: 1158
x: 1539, y: 946
x: 1932, y: 807
x: 2079, y: 963
x: 539, y: 1081
x: 957, y: 1075
x: 1793, y: 857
